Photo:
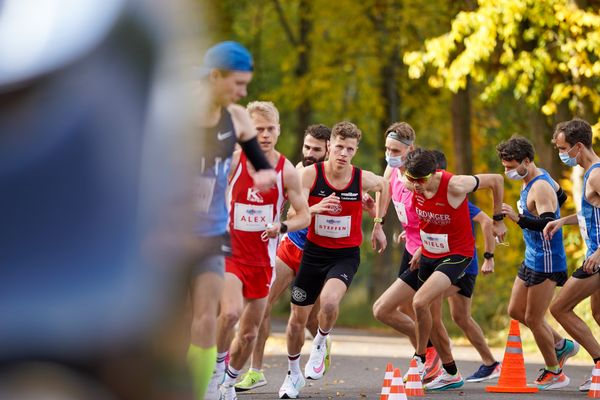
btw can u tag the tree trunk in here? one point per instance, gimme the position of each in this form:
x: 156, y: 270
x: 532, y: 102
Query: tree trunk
x: 461, y: 131
x: 304, y: 46
x: 541, y: 137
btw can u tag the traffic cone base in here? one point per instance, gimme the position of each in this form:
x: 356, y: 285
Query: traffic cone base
x: 397, y: 391
x: 594, y: 392
x: 414, y: 385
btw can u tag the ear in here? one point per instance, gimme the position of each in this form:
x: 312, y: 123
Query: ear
x: 214, y: 74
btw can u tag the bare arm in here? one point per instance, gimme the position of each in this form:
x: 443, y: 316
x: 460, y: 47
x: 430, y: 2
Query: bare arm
x: 380, y: 185
x: 244, y: 128
x: 489, y: 243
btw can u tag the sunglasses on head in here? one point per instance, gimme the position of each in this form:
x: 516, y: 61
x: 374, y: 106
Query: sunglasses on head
x: 421, y: 180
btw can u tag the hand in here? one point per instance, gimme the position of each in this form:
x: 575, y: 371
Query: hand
x: 264, y: 179
x: 509, y: 212
x: 378, y: 237
x: 499, y: 230
x: 415, y: 260
x: 401, y: 237
x: 328, y: 204
x: 551, y: 228
x: 271, y: 231
x: 368, y: 203
x: 488, y: 266
x: 591, y: 264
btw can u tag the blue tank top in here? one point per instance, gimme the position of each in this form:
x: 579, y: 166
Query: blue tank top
x: 542, y: 255
x: 217, y: 147
x: 298, y: 237
x: 473, y: 268
x: 589, y: 219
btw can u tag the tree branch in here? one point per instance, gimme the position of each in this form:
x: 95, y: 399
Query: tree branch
x: 284, y: 23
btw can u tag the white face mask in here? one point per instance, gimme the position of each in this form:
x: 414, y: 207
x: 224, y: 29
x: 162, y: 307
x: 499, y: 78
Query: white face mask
x: 394, y: 162
x: 513, y: 174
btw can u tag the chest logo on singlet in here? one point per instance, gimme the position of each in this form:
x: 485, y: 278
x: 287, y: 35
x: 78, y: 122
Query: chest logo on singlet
x: 254, y: 196
x: 224, y: 135
x: 349, y: 196
x: 335, y: 209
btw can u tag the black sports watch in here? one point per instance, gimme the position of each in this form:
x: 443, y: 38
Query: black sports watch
x: 498, y: 217
x: 283, y: 228
x: 487, y: 255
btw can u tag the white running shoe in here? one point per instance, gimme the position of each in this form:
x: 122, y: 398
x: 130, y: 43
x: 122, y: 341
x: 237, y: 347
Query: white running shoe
x: 315, y: 367
x: 212, y: 391
x: 445, y: 381
x: 585, y: 386
x: 290, y: 389
x: 227, y: 392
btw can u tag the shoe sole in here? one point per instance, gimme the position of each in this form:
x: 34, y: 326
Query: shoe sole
x: 245, y: 389
x: 556, y: 385
x: 487, y: 378
x: 450, y: 386
x: 286, y: 396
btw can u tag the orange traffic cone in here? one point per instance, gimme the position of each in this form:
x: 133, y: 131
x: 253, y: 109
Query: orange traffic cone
x: 414, y: 385
x: 513, y: 378
x: 397, y: 391
x: 387, y: 382
x: 594, y: 392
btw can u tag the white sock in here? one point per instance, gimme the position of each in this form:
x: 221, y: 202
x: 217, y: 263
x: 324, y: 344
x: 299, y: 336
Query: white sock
x: 320, y: 338
x: 294, y: 365
x: 230, y: 376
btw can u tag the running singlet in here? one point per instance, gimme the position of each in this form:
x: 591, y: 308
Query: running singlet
x: 250, y: 212
x: 444, y: 230
x: 210, y: 186
x: 589, y: 219
x: 473, y: 268
x: 298, y: 237
x: 542, y: 255
x: 403, y: 203
x: 339, y: 228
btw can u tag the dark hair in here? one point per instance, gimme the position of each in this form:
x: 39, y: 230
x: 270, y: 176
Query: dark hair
x: 440, y: 159
x: 318, y: 131
x: 346, y: 130
x: 575, y: 131
x: 420, y: 162
x: 516, y: 148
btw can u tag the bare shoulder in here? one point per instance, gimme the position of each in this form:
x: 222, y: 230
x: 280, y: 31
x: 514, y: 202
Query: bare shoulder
x: 370, y: 180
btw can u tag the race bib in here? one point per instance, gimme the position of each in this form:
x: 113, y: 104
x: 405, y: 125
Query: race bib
x: 401, y: 211
x: 519, y: 207
x: 205, y: 187
x: 250, y: 218
x: 582, y: 226
x: 436, y: 243
x: 333, y: 227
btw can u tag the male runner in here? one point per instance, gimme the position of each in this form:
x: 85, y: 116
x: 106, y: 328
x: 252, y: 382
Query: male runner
x: 573, y: 139
x: 249, y: 269
x: 447, y: 239
x: 545, y: 265
x: 332, y: 253
x: 289, y: 254
x: 226, y: 71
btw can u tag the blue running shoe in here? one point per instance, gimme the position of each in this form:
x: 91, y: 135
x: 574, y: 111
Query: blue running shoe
x: 569, y: 349
x: 485, y: 372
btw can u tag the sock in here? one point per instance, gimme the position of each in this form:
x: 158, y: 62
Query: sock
x: 560, y: 344
x: 231, y: 375
x: 254, y: 369
x: 421, y: 356
x: 201, y: 364
x: 294, y: 364
x: 220, y: 366
x: 596, y: 360
x: 553, y: 368
x: 451, y: 368
x: 321, y: 336
x: 429, y: 344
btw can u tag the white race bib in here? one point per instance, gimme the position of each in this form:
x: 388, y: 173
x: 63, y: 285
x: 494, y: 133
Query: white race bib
x: 250, y: 218
x: 582, y: 226
x: 436, y: 243
x: 333, y: 227
x: 519, y: 207
x: 401, y: 211
x: 205, y: 187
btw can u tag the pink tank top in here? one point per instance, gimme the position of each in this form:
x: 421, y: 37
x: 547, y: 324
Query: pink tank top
x: 405, y: 209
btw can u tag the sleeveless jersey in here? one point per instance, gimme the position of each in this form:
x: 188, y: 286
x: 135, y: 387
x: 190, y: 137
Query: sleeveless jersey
x: 210, y: 186
x: 298, y: 237
x: 339, y: 228
x: 250, y: 212
x: 542, y: 255
x: 473, y: 268
x: 444, y: 230
x: 405, y: 209
x: 589, y: 219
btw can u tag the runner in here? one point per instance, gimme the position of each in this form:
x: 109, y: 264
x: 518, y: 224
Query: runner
x: 289, y: 254
x: 226, y: 71
x: 545, y: 266
x: 332, y: 253
x: 460, y: 295
x: 573, y: 139
x: 447, y: 242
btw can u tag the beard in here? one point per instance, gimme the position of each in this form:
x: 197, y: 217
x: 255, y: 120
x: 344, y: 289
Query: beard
x: 306, y: 161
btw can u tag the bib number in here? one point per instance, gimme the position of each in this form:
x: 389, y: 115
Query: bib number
x: 205, y: 187
x: 436, y: 243
x: 333, y: 227
x: 582, y: 226
x: 250, y: 218
x: 401, y: 211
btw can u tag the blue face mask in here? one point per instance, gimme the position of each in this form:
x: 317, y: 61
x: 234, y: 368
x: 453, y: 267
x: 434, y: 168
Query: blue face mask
x: 567, y: 159
x: 394, y: 162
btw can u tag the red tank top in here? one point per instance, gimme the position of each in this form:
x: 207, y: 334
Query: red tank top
x: 444, y: 230
x: 249, y: 212
x: 340, y: 228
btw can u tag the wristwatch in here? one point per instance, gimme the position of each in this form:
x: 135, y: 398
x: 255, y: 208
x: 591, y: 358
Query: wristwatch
x: 487, y: 255
x: 283, y: 228
x: 498, y: 217
x: 379, y: 220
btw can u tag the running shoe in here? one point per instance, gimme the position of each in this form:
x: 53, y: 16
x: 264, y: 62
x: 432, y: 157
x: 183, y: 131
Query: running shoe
x: 585, y: 386
x: 549, y: 380
x: 433, y: 365
x: 569, y: 349
x: 485, y: 372
x: 315, y: 367
x: 227, y: 392
x: 251, y: 380
x: 420, y: 369
x: 445, y: 381
x: 212, y: 391
x: 327, y: 353
x: 291, y: 386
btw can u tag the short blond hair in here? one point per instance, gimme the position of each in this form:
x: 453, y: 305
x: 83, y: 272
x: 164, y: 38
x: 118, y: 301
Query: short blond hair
x: 266, y: 109
x: 346, y: 130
